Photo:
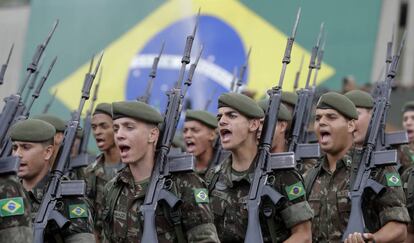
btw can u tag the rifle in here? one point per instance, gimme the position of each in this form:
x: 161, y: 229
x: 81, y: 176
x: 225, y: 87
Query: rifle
x: 49, y: 104
x: 32, y: 81
x: 374, y: 153
x: 4, y: 66
x: 145, y: 98
x: 14, y: 106
x: 57, y: 188
x: 302, y: 111
x: 264, y: 161
x: 162, y: 168
x: 297, y: 76
x: 83, y: 158
x: 233, y: 80
x: 242, y: 71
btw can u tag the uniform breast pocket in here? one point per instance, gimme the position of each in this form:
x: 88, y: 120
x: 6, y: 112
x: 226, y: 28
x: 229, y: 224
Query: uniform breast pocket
x: 344, y: 208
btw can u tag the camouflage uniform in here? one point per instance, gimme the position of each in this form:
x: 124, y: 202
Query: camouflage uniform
x: 228, y: 194
x: 124, y: 222
x: 408, y: 179
x: 96, y: 178
x: 74, y: 209
x: 15, y: 221
x: 405, y: 157
x: 329, y: 198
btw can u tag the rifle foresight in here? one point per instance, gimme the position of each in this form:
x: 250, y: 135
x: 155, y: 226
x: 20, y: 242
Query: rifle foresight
x: 89, y: 79
x: 4, y: 66
x: 189, y: 42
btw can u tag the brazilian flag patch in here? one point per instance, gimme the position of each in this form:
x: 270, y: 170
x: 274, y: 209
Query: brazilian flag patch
x: 78, y: 211
x: 294, y: 191
x: 11, y: 206
x: 201, y: 195
x: 393, y: 179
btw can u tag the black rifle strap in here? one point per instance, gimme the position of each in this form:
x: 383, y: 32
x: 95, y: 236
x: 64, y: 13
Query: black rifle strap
x: 174, y: 216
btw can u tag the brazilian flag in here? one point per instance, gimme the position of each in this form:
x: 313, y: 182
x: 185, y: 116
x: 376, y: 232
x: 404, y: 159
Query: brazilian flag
x: 131, y: 33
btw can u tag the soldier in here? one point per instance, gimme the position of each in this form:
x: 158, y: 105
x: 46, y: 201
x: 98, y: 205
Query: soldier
x: 199, y: 135
x: 15, y: 220
x: 106, y: 164
x: 60, y: 127
x: 363, y: 102
x: 238, y: 122
x: 407, y: 154
x: 328, y: 183
x: 33, y: 144
x: 136, y: 134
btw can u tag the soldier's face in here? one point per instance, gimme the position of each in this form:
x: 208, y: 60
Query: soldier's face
x: 334, y: 131
x: 234, y: 128
x: 408, y: 124
x: 135, y: 139
x: 33, y: 158
x: 361, y: 125
x: 198, y: 138
x: 103, y: 132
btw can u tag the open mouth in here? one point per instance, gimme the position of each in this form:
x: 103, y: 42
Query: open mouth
x: 100, y: 141
x: 410, y: 133
x: 190, y: 146
x: 124, y: 149
x: 225, y: 135
x: 324, y: 136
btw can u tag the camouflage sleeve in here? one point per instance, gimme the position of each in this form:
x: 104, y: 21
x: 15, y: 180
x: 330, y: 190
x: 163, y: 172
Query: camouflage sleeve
x: 197, y: 216
x: 407, y: 179
x: 391, y: 204
x: 77, y: 211
x: 15, y: 219
x: 295, y: 209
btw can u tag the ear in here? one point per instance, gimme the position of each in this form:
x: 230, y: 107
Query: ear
x: 212, y: 134
x: 153, y: 135
x: 48, y: 152
x: 351, y: 126
x: 283, y: 126
x: 254, y: 124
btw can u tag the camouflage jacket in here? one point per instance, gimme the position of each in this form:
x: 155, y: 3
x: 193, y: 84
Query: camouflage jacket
x: 124, y: 222
x: 406, y: 157
x: 329, y: 198
x: 75, y: 209
x: 408, y: 184
x: 96, y: 178
x: 228, y: 194
x: 15, y: 220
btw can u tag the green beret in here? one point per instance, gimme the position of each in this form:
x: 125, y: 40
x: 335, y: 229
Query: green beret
x: 58, y: 123
x: 338, y: 102
x: 243, y: 104
x: 360, y: 98
x: 289, y: 98
x: 137, y: 110
x: 103, y: 108
x: 409, y: 106
x: 204, y: 117
x: 284, y: 113
x: 32, y: 130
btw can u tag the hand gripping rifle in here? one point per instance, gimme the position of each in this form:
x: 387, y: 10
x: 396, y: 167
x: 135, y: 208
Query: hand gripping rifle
x: 374, y: 154
x: 145, y: 98
x: 302, y: 111
x: 7, y: 146
x: 57, y: 188
x: 162, y: 169
x: 4, y: 66
x: 49, y: 104
x: 14, y: 106
x: 264, y: 161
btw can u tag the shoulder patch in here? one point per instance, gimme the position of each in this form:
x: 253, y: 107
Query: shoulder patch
x: 201, y: 195
x: 78, y: 211
x: 11, y: 206
x: 295, y: 191
x: 393, y: 179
